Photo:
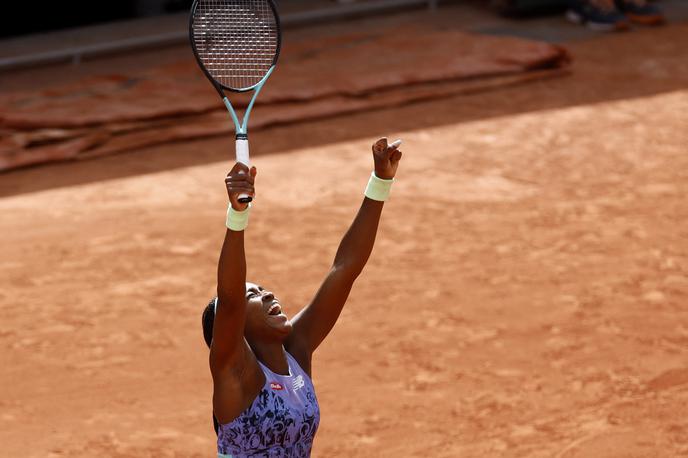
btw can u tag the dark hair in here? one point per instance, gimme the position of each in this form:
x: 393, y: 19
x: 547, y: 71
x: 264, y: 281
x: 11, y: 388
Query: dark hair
x: 207, y: 321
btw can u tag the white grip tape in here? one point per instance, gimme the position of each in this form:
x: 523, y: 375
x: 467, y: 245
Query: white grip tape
x: 242, y: 156
x: 242, y: 151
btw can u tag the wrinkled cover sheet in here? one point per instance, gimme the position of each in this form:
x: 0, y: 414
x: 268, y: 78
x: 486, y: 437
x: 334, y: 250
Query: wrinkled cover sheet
x: 314, y: 79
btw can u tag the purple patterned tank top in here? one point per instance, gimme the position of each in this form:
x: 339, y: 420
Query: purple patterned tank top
x: 281, y: 422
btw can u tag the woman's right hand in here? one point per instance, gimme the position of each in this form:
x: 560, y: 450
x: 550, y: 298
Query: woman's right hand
x: 240, y: 180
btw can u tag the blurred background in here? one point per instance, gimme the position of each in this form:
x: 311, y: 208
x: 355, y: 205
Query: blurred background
x: 56, y: 16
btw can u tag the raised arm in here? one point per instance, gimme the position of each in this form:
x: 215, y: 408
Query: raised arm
x: 227, y: 348
x: 315, y: 321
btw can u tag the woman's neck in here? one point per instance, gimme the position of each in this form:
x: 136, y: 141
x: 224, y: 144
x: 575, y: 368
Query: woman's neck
x: 273, y: 356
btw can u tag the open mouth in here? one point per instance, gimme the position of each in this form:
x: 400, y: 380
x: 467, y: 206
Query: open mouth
x: 275, y: 309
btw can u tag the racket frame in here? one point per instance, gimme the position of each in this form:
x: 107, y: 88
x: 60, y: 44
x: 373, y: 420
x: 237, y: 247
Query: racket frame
x: 240, y: 128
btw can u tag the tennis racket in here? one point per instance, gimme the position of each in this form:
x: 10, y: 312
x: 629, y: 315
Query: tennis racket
x: 236, y: 44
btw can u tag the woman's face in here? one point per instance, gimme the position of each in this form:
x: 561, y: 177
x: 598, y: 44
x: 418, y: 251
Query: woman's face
x: 264, y: 316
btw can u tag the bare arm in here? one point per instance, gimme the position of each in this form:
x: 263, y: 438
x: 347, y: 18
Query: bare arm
x: 228, y: 346
x: 316, y: 320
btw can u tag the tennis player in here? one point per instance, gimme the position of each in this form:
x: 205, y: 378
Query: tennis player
x: 264, y: 403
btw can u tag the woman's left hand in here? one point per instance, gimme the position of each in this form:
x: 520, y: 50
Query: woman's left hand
x: 386, y: 159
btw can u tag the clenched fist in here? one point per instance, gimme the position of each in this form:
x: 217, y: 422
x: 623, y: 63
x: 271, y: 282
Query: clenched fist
x: 386, y: 159
x: 240, y: 180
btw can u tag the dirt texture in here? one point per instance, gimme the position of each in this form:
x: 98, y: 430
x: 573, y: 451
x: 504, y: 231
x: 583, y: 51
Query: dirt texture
x: 526, y: 296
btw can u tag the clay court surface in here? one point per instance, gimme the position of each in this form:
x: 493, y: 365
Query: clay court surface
x: 526, y: 297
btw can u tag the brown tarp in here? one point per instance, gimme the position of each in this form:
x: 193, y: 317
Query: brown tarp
x: 337, y: 75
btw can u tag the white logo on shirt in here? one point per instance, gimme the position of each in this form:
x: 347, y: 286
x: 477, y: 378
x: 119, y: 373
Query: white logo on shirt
x: 298, y: 383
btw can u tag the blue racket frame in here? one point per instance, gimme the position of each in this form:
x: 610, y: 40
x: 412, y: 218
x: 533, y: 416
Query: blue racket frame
x: 241, y: 128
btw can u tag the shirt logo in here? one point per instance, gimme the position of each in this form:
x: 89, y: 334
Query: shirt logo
x: 276, y: 386
x: 298, y: 383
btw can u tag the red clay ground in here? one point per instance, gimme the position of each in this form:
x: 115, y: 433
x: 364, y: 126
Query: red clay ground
x: 526, y: 297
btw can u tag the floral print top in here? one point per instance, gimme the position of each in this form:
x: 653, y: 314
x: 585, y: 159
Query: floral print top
x: 281, y: 422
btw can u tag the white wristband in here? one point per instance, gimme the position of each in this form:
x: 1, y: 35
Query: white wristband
x: 378, y: 189
x: 237, y: 221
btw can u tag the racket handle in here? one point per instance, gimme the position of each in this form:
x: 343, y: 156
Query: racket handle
x: 242, y: 156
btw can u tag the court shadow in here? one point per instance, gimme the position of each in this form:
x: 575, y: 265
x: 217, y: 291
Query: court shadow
x: 637, y: 64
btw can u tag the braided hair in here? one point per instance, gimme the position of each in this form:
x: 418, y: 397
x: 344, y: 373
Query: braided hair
x: 207, y: 321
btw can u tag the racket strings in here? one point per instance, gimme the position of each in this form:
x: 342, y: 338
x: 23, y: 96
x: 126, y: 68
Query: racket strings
x: 236, y: 40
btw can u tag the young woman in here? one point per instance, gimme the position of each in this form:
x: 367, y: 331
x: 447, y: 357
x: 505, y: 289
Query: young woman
x: 264, y: 403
